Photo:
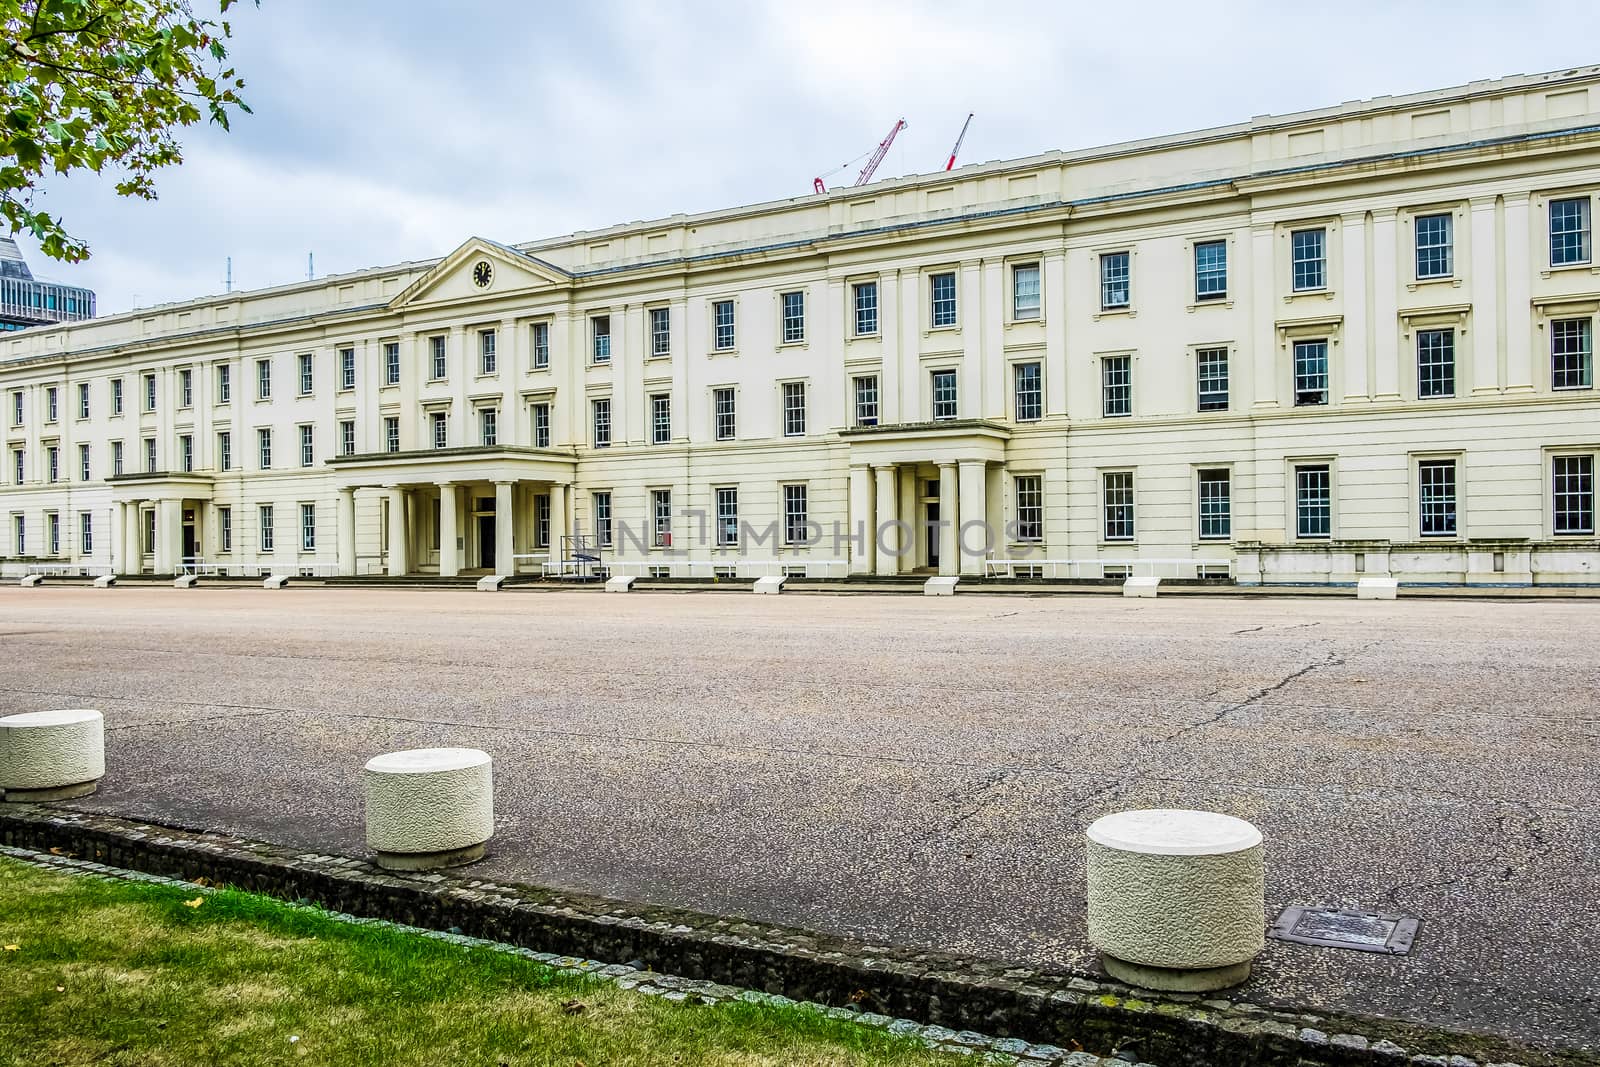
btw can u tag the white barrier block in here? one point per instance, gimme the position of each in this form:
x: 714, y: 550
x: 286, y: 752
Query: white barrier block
x: 275, y: 581
x: 1377, y: 589
x: 619, y: 583
x: 105, y: 581
x: 185, y: 581
x: 52, y: 755
x: 429, y: 807
x: 770, y: 584
x: 1140, y: 586
x: 490, y: 583
x: 940, y: 586
x: 31, y: 580
x: 1176, y: 898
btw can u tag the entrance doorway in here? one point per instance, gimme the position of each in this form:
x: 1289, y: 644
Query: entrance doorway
x: 191, y: 540
x: 933, y: 533
x: 486, y: 541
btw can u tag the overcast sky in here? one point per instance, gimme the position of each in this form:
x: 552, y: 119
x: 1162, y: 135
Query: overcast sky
x: 387, y: 131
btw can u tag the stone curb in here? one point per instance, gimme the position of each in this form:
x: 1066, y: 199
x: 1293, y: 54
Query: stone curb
x: 959, y: 999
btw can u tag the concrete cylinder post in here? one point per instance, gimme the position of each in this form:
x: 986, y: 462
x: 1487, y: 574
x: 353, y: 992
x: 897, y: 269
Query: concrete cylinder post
x: 504, y: 546
x: 449, y: 557
x: 1176, y: 898
x: 887, y: 550
x: 52, y: 755
x: 429, y: 807
x: 949, y: 520
x: 347, y: 532
x: 398, y: 565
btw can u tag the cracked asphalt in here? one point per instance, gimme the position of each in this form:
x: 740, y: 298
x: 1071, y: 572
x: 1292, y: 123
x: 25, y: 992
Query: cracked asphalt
x: 905, y: 770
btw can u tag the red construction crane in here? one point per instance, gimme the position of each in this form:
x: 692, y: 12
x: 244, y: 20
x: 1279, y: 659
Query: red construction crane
x: 867, y: 171
x: 957, y: 149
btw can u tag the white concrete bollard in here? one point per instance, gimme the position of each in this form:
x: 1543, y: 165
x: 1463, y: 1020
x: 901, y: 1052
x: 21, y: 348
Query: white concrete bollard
x: 275, y: 581
x: 31, y: 580
x: 619, y: 583
x: 1377, y: 588
x: 1140, y: 586
x: 185, y: 581
x: 105, y: 581
x: 940, y: 587
x: 770, y: 584
x: 429, y: 807
x: 52, y: 755
x: 1176, y: 898
x: 491, y: 583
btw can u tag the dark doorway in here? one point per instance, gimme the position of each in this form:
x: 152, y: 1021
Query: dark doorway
x: 933, y: 533
x: 191, y: 548
x: 486, y: 541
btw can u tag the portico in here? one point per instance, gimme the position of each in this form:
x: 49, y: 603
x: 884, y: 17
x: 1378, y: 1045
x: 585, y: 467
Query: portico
x: 452, y: 510
x: 170, y: 507
x: 922, y: 492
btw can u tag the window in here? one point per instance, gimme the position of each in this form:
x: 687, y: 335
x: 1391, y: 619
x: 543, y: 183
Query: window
x: 116, y: 398
x: 1435, y: 252
x: 17, y: 463
x: 307, y: 378
x: 1310, y: 373
x: 661, y: 517
x: 149, y: 392
x: 347, y: 368
x: 16, y: 408
x: 308, y: 451
x: 600, y: 326
x: 865, y: 295
x: 794, y: 317
x: 149, y: 516
x: 51, y: 407
x: 391, y: 363
x: 224, y: 451
x: 225, y: 529
x: 601, y: 409
x: 1211, y: 371
x: 308, y: 527
x: 1028, y: 392
x: 264, y: 521
x: 942, y: 300
x: 541, y: 345
x: 149, y: 455
x: 1308, y: 251
x: 723, y: 403
x: 1436, y: 363
x: 488, y: 425
x: 1572, y: 354
x: 116, y: 458
x: 660, y: 418
x: 1569, y: 231
x: 83, y: 463
x: 1216, y: 504
x: 1115, y: 268
x: 796, y: 523
x: 661, y: 331
x: 53, y: 527
x: 1313, y: 501
x: 186, y: 388
x: 186, y: 453
x: 1116, y: 386
x: 1025, y: 292
x: 347, y: 437
x: 1117, y: 490
x: 541, y: 520
x: 727, y: 517
x: 866, y: 388
x: 1210, y: 270
x: 391, y: 433
x: 263, y: 379
x: 722, y: 335
x: 439, y: 427
x: 1030, y: 507
x: 602, y: 518
x: 224, y: 386
x: 944, y: 395
x: 85, y: 533
x: 1572, y: 497
x: 1436, y: 498
x: 264, y: 448
x: 83, y: 400
x: 794, y: 409
x: 541, y: 425
x: 53, y: 463
x: 486, y: 352
x: 436, y: 368
x: 19, y: 534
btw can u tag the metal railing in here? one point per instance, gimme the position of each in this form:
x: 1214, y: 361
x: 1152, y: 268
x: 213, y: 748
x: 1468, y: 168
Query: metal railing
x: 1096, y: 568
x: 202, y: 568
x: 64, y: 570
x: 726, y: 568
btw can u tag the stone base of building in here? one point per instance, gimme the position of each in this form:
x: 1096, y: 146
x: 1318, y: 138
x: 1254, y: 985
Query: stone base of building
x: 60, y: 792
x: 1175, y: 980
x: 427, y: 861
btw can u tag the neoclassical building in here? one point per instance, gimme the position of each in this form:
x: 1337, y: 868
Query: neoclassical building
x: 1352, y: 340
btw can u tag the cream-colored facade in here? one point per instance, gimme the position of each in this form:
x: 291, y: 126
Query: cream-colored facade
x: 1354, y: 340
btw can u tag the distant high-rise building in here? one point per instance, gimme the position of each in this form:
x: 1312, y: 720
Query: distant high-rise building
x: 26, y: 301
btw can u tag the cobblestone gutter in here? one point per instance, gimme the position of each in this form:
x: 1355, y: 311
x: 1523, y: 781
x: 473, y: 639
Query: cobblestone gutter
x: 1009, y: 1015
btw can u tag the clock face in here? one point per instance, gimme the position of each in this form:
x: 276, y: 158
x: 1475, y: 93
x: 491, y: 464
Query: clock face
x: 482, y: 274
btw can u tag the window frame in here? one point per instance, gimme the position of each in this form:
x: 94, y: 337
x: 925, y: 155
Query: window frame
x: 391, y: 363
x: 1585, y: 368
x: 1210, y: 272
x: 1034, y: 409
x: 1584, y: 492
x: 858, y: 401
x: 792, y: 317
x: 1129, y: 519
x: 793, y: 400
x: 857, y: 290
x: 438, y: 358
x: 796, y: 520
x: 265, y: 528
x: 1027, y: 494
x: 1204, y: 354
x: 1300, y: 469
x: 719, y: 393
x: 1444, y: 250
x: 540, y: 413
x: 1295, y: 376
x: 539, y: 342
x: 724, y: 335
x: 1021, y: 312
x: 952, y: 401
x: 308, y: 444
x: 1107, y: 279
x: 725, y: 515
x: 347, y: 369
x: 307, y: 374
x: 1321, y: 260
x: 943, y: 313
x: 1222, y: 517
x: 1421, y: 466
x: 308, y: 527
x: 264, y: 448
x: 1432, y: 383
x: 660, y: 418
x: 1112, y: 390
x: 660, y: 323
x: 264, y: 378
x: 391, y: 434
x: 488, y: 352
x: 1585, y: 234
x: 600, y: 435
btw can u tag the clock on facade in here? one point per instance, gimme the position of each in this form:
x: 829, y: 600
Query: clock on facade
x: 482, y: 274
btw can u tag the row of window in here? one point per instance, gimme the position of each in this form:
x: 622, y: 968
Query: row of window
x: 264, y: 526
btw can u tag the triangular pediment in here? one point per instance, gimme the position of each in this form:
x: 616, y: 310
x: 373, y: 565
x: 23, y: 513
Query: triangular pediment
x: 479, y: 269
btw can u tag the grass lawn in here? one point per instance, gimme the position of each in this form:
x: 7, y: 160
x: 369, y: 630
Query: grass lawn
x: 109, y: 972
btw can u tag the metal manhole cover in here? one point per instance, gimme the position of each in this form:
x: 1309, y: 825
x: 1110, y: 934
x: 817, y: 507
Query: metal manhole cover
x: 1360, y: 931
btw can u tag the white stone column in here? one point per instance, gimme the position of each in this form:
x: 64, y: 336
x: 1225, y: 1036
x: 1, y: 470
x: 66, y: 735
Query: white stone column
x: 975, y: 509
x: 347, y: 531
x: 861, y: 520
x: 504, y: 529
x: 132, y: 539
x: 119, y: 538
x: 558, y: 518
x: 397, y: 532
x: 949, y: 519
x: 449, y: 555
x: 169, y: 536
x: 886, y: 560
